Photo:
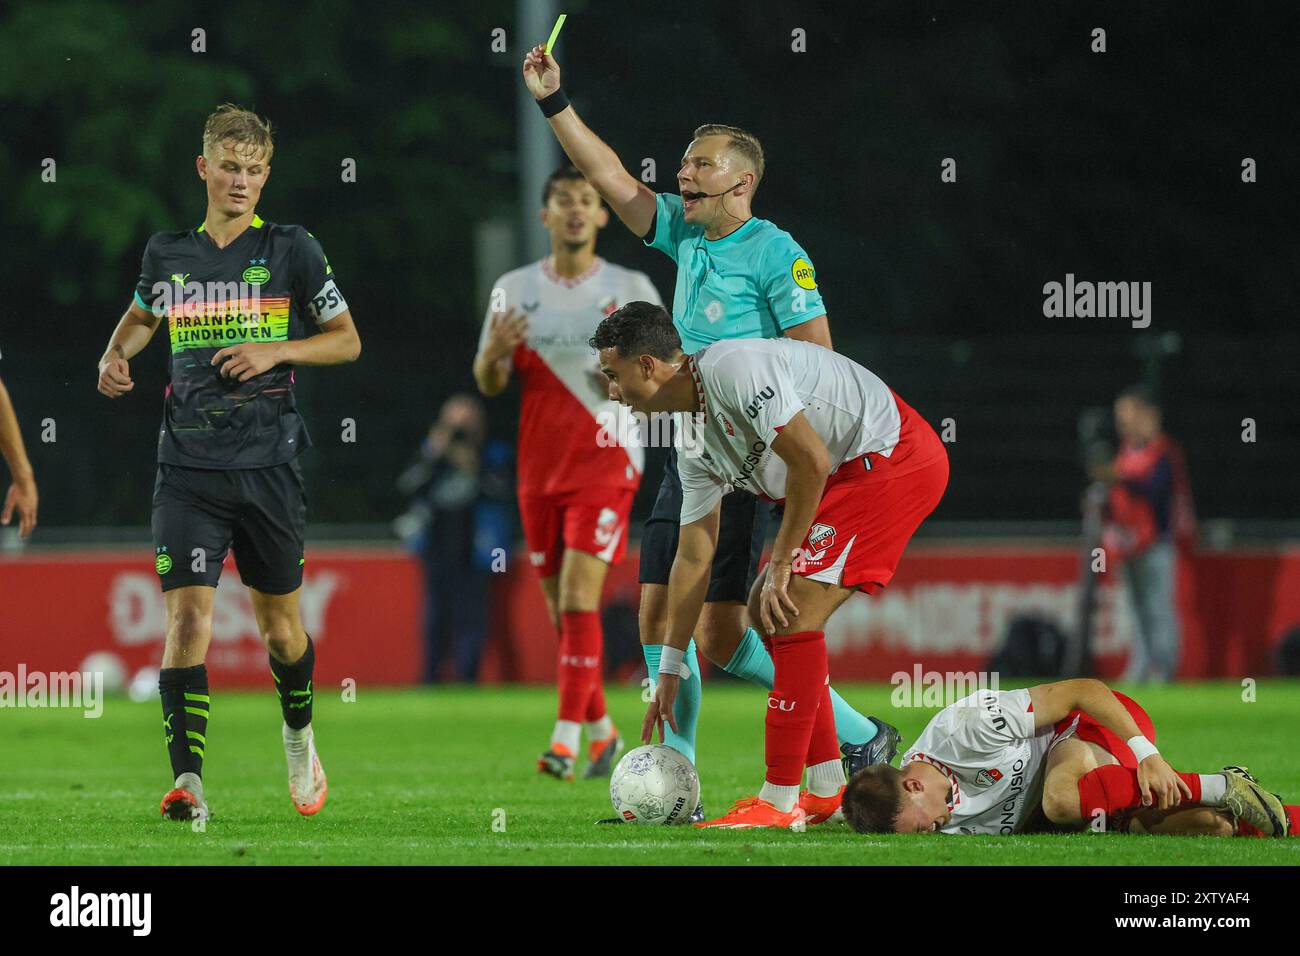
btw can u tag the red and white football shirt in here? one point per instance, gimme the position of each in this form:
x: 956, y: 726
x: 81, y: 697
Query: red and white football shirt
x: 564, y: 422
x: 750, y: 389
x: 994, y: 759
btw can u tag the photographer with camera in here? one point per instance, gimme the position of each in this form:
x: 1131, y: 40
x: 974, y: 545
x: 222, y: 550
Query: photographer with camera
x: 461, y: 485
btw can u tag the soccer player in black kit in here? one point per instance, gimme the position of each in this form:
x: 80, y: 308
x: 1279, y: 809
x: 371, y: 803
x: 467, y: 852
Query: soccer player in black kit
x: 239, y: 296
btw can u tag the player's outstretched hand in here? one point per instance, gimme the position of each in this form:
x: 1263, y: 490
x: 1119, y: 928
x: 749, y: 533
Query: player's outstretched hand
x: 505, y: 331
x: 115, y: 377
x: 661, y: 708
x: 774, y: 600
x: 541, y: 72
x: 1159, y: 784
x: 242, y: 362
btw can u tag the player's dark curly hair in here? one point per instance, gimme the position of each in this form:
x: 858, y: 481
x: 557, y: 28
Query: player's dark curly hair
x: 639, y: 328
x: 566, y: 172
x: 873, y: 799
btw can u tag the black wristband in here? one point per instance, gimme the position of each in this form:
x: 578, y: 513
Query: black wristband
x: 553, y: 103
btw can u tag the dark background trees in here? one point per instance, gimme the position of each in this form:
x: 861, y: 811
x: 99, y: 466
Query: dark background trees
x: 1115, y: 166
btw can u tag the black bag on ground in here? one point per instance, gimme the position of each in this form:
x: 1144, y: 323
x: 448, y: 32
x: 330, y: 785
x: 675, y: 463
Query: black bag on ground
x: 1287, y: 656
x: 1033, y: 647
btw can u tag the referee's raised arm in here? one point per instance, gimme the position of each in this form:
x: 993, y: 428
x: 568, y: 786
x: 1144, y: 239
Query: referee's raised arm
x: 631, y: 199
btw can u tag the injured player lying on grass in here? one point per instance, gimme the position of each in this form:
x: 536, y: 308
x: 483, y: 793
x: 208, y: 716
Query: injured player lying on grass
x: 1072, y: 755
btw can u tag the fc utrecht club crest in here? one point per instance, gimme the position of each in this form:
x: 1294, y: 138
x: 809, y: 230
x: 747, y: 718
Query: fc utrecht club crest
x: 820, y: 537
x: 606, y: 525
x: 987, y: 778
x: 608, y: 306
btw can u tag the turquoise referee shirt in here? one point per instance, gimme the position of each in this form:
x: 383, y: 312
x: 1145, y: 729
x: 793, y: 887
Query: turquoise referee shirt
x: 754, y: 283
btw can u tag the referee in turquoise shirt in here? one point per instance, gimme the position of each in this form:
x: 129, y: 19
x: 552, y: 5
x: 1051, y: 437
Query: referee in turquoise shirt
x: 738, y: 276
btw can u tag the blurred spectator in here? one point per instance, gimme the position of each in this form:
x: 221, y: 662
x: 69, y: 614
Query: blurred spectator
x: 460, y: 485
x: 1148, y: 515
x: 21, y: 496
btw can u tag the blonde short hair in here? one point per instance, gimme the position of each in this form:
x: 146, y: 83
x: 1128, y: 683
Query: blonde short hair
x: 247, y: 129
x: 740, y: 141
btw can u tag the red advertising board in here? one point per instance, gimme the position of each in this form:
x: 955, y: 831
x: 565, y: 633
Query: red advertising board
x: 360, y: 606
x: 948, y: 609
x: 949, y: 606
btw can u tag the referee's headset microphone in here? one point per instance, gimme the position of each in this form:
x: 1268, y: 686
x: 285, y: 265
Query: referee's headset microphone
x: 713, y: 195
x: 716, y: 195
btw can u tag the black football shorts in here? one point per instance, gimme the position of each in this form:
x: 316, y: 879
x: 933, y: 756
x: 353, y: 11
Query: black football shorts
x: 742, y: 527
x: 200, y: 514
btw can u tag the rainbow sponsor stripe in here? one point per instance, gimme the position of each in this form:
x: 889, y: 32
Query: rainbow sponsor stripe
x: 214, y: 325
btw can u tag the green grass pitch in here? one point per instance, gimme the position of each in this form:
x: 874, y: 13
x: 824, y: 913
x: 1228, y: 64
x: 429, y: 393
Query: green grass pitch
x: 421, y: 776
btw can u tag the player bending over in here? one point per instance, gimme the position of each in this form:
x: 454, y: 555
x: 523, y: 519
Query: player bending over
x: 577, y: 477
x: 239, y: 295
x: 858, y: 471
x: 738, y: 276
x: 1070, y: 755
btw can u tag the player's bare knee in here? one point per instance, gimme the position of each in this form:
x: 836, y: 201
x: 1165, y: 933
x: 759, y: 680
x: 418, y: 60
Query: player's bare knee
x: 281, y: 636
x: 706, y: 644
x: 721, y: 627
x: 577, y: 599
x: 1061, y: 801
x: 582, y: 578
x: 187, y: 626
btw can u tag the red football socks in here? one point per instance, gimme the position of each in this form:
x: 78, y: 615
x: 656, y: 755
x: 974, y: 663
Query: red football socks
x: 798, y: 691
x: 1114, y: 788
x: 824, y: 744
x: 579, y: 675
x: 596, y: 702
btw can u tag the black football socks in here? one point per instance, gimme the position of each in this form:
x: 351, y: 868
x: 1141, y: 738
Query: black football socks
x: 293, y: 686
x: 185, y: 701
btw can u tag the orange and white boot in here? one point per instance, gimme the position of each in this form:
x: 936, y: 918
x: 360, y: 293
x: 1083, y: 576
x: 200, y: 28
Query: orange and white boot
x: 753, y: 812
x: 559, y: 762
x: 822, y: 809
x: 307, y: 784
x: 185, y: 800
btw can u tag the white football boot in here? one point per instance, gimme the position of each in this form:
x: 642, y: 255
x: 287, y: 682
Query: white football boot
x: 307, y: 784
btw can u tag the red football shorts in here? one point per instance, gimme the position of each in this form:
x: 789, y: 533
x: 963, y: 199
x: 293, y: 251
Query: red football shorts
x: 872, y: 506
x: 1088, y: 729
x: 592, y: 520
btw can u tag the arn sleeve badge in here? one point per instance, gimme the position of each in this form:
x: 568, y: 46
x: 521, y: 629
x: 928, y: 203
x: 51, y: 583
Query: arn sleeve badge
x: 801, y: 271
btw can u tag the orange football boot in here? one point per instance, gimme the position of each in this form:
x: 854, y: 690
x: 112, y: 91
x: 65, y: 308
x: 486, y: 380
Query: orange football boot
x: 822, y: 809
x: 559, y: 762
x: 752, y: 812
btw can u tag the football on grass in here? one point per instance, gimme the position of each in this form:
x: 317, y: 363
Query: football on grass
x: 654, y: 784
